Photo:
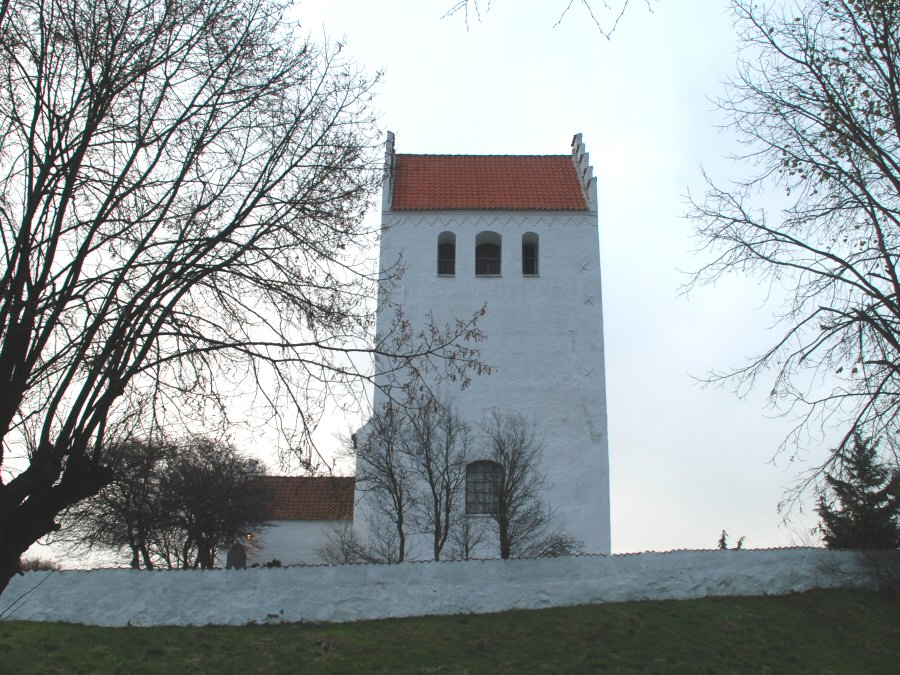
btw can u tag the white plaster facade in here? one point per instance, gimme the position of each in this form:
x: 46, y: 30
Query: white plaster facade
x: 292, y: 542
x: 544, y: 338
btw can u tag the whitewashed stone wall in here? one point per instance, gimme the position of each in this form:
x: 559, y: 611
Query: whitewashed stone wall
x: 360, y: 592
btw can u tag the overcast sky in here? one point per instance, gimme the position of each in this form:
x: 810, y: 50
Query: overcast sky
x: 685, y: 461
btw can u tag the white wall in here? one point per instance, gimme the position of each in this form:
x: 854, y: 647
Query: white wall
x: 359, y: 592
x: 544, y: 341
x: 293, y: 542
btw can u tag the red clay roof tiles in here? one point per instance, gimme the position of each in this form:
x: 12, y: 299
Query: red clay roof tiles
x: 309, y: 497
x: 514, y: 182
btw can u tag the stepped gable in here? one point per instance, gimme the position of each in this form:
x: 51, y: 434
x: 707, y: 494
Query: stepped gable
x: 309, y: 497
x: 478, y: 182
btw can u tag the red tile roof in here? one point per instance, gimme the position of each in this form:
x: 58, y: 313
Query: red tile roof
x: 310, y: 497
x: 516, y: 182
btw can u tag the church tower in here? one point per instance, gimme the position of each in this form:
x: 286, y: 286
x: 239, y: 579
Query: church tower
x: 518, y: 235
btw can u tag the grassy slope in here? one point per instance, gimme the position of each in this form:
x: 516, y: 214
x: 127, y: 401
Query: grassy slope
x: 820, y: 631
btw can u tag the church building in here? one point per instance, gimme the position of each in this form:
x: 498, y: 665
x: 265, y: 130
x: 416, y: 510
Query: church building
x: 518, y: 235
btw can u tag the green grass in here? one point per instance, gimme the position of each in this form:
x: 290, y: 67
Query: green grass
x: 837, y: 631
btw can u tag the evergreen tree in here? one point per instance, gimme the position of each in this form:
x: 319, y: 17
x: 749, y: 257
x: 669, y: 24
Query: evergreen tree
x: 860, y: 508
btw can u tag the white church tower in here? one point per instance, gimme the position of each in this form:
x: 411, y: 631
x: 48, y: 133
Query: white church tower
x: 519, y: 235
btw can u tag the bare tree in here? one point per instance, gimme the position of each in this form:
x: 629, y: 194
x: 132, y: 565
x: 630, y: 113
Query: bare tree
x: 604, y: 15
x: 344, y: 547
x: 816, y: 104
x: 437, y: 444
x: 127, y: 513
x: 411, y: 465
x: 182, y: 185
x: 387, y: 480
x: 524, y: 523
x: 208, y: 494
x: 170, y: 504
x: 466, y: 535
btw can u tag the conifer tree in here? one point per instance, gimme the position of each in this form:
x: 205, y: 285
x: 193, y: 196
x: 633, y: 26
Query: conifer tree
x: 860, y: 507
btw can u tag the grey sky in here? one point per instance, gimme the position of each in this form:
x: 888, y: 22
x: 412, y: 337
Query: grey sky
x: 686, y: 461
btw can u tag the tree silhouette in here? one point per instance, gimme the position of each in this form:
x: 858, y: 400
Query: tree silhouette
x: 182, y: 191
x: 860, y: 506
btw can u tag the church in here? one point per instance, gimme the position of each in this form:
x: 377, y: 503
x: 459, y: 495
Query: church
x: 517, y: 235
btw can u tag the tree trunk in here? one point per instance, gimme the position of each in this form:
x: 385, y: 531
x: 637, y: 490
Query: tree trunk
x: 504, y: 540
x: 145, y: 554
x: 401, y: 553
x: 30, y: 502
x: 135, y: 553
x: 9, y: 565
x: 438, y: 532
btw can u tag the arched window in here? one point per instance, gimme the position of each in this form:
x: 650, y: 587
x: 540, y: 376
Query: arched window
x: 446, y: 254
x: 483, y: 481
x: 487, y: 254
x: 530, y: 254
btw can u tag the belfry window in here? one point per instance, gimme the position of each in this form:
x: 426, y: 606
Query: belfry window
x: 483, y: 481
x: 530, y: 254
x: 446, y: 254
x: 487, y: 254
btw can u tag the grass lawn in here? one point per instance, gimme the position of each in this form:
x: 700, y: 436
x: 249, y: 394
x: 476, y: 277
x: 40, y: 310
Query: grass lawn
x: 836, y: 631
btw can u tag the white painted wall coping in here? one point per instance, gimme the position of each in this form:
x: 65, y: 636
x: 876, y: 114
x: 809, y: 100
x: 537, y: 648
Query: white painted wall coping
x: 359, y: 592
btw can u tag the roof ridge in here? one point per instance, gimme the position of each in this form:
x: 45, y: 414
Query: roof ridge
x: 466, y: 154
x: 270, y: 475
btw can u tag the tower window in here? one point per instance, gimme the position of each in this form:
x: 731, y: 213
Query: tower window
x: 483, y: 481
x: 530, y: 254
x: 446, y: 254
x: 487, y: 254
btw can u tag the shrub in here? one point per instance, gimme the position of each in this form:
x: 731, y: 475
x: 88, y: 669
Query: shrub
x: 38, y: 564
